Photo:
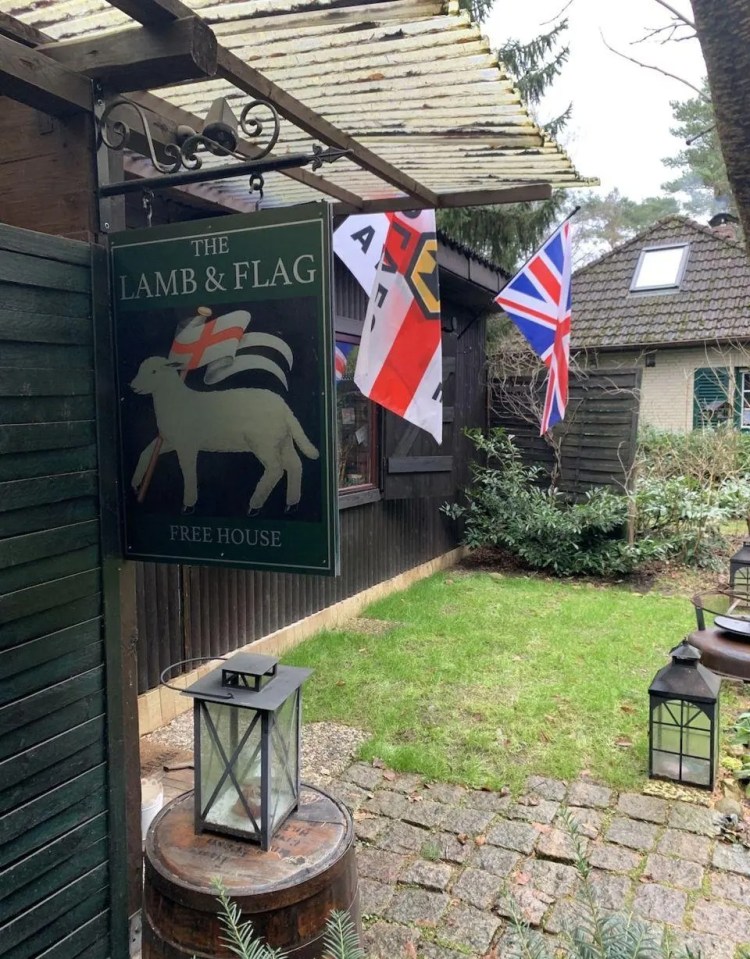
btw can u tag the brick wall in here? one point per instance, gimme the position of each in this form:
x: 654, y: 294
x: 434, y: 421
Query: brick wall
x: 667, y: 386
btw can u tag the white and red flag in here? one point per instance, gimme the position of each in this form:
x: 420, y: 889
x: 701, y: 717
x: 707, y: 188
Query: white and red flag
x: 399, y: 364
x: 219, y: 344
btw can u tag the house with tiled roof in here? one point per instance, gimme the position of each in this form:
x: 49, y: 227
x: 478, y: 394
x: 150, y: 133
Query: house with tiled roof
x: 674, y: 300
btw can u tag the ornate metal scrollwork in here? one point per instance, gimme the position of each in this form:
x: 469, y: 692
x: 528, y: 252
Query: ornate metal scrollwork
x: 115, y: 134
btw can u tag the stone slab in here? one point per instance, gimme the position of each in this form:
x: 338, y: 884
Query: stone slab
x: 384, y: 940
x: 614, y: 858
x: 660, y: 903
x: 465, y: 821
x: 435, y: 876
x: 719, y: 919
x: 380, y: 865
x: 403, y: 838
x: 554, y: 789
x: 534, y: 810
x: 674, y: 872
x: 468, y: 928
x: 418, y: 906
x: 426, y: 813
x: 500, y: 862
x: 632, y: 833
x: 374, y: 897
x: 731, y: 886
x: 513, y: 835
x: 477, y: 888
x: 649, y: 808
x: 559, y: 845
x: 685, y: 845
x: 582, y: 793
x: 692, y: 818
x: 732, y: 858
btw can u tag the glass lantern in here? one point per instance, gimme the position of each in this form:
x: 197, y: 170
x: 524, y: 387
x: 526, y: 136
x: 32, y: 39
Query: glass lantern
x: 247, y: 717
x: 739, y: 572
x: 684, y: 720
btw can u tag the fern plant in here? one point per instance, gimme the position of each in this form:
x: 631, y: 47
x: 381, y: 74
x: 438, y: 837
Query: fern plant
x: 340, y: 939
x: 595, y: 935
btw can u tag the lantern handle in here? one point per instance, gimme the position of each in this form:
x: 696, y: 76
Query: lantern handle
x: 182, y: 662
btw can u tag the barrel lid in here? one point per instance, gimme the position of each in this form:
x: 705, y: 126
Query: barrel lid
x: 310, y: 842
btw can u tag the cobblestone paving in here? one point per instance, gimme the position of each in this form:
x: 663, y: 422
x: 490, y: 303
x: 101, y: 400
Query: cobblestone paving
x: 442, y: 867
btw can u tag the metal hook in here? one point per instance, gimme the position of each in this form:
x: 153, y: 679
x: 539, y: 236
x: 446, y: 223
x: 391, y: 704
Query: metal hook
x: 148, y: 205
x: 256, y: 186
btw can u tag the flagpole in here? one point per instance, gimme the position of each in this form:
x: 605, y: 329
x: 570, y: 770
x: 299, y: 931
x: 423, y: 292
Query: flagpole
x: 552, y: 233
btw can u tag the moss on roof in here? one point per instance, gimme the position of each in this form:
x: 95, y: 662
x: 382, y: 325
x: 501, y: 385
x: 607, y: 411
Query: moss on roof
x: 712, y: 302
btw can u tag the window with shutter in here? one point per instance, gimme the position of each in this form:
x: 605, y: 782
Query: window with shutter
x: 742, y: 401
x: 712, y: 397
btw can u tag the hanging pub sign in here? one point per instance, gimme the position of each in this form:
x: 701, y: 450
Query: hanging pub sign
x: 225, y: 358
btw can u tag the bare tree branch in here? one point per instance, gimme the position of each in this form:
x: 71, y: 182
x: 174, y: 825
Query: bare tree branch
x: 557, y: 16
x: 676, y: 13
x: 650, y: 66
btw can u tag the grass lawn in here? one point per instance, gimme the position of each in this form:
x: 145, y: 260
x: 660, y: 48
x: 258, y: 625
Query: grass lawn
x: 485, y: 679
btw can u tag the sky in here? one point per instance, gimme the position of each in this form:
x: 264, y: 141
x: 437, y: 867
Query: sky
x: 619, y: 131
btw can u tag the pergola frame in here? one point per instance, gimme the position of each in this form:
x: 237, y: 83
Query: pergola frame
x: 173, y: 45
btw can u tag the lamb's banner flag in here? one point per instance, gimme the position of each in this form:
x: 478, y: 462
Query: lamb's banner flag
x: 399, y: 364
x: 538, y: 301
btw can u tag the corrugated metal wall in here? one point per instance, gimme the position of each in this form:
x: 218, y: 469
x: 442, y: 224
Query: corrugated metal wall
x: 196, y: 611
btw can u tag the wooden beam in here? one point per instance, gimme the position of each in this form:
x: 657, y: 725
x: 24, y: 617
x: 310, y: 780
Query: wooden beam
x: 35, y: 80
x: 167, y: 118
x: 153, y: 13
x: 247, y: 78
x: 19, y: 31
x: 142, y: 58
x: 445, y: 201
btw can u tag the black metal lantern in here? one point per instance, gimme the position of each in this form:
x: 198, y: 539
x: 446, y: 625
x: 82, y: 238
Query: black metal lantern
x: 684, y: 720
x: 739, y: 572
x: 247, y: 756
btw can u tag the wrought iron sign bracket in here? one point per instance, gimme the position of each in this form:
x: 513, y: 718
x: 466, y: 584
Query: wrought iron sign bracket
x: 181, y: 162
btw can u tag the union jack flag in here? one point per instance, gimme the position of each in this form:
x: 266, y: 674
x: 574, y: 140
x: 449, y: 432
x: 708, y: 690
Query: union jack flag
x: 537, y: 299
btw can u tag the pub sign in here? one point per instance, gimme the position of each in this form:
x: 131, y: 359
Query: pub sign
x: 225, y: 353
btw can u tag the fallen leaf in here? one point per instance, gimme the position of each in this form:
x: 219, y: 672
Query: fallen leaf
x: 542, y: 827
x: 360, y: 814
x: 376, y: 76
x: 462, y: 838
x: 624, y: 742
x: 627, y: 708
x: 362, y: 650
x: 340, y: 682
x: 521, y: 878
x: 492, y: 954
x: 378, y: 763
x: 389, y: 775
x: 410, y: 950
x: 505, y: 791
x: 480, y: 840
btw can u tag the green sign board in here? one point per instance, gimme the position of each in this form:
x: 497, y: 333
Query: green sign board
x: 225, y: 363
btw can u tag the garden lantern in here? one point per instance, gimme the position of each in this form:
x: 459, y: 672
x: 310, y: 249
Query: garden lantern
x: 684, y: 720
x: 247, y: 731
x: 739, y: 572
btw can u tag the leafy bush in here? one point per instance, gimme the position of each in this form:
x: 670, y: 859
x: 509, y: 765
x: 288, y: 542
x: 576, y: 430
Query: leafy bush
x: 596, y: 935
x: 505, y: 506
x: 688, y: 488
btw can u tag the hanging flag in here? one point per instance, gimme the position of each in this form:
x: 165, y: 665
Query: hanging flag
x: 219, y: 344
x: 359, y: 243
x: 537, y: 299
x: 399, y: 364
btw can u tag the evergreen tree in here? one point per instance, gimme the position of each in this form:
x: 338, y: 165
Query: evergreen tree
x: 702, y: 173
x: 505, y: 234
x: 604, y: 222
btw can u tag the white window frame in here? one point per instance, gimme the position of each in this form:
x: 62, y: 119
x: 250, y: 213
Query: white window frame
x: 635, y: 288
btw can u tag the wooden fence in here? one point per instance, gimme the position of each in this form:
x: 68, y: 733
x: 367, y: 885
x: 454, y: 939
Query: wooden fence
x: 598, y: 433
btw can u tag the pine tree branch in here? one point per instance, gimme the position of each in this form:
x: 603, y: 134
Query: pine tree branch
x: 650, y: 66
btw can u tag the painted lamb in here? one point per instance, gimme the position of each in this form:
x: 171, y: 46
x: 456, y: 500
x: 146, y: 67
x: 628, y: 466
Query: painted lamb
x: 226, y: 421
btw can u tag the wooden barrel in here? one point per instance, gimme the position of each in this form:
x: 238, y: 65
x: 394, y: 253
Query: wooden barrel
x: 287, y: 893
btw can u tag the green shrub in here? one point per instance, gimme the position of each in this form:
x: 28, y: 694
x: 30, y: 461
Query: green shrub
x: 506, y: 507
x: 688, y: 488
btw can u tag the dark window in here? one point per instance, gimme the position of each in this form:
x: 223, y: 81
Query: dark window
x: 712, y: 401
x: 356, y: 422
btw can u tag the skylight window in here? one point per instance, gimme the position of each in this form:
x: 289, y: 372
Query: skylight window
x: 660, y: 268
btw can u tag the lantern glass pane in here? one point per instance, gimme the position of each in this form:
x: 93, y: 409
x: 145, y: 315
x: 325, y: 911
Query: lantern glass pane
x: 224, y: 731
x: 741, y: 581
x: 681, y: 742
x: 284, y: 761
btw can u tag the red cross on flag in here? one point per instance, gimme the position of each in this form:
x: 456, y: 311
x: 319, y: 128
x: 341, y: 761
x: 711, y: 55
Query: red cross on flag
x: 399, y: 364
x: 218, y: 343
